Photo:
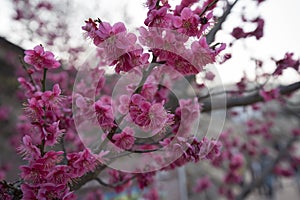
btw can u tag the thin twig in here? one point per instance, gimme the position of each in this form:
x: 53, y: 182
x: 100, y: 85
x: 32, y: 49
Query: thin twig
x: 208, y: 7
x: 26, y: 70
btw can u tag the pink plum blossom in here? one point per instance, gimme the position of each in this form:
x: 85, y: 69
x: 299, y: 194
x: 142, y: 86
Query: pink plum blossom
x: 236, y: 161
x: 81, y: 162
x: 104, y: 114
x: 116, y: 176
x: 187, y: 23
x: 152, y: 117
x: 52, y: 133
x: 159, y: 18
x: 209, y: 75
x: 41, y: 59
x: 203, y: 184
x: 269, y: 95
x: 125, y: 139
x: 28, y: 149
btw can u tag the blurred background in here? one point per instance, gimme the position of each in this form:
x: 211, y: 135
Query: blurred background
x: 58, y: 27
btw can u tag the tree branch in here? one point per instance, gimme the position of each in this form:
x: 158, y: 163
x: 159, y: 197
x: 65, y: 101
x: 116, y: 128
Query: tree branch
x: 101, y: 182
x: 210, y: 37
x: 78, y: 183
x: 13, y: 190
x: 247, y: 100
x: 209, y: 6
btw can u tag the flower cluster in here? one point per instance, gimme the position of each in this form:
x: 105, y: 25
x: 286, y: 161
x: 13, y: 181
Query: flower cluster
x: 164, y: 26
x: 119, y: 47
x: 144, y: 115
x: 147, y: 105
x: 150, y: 116
x: 48, y: 122
x: 41, y: 59
x: 49, y: 173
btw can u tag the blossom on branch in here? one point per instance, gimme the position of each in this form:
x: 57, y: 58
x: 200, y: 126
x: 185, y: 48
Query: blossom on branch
x: 41, y: 59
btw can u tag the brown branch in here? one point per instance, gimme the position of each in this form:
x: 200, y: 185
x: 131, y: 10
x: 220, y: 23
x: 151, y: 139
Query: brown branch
x: 245, y: 100
x: 63, y: 148
x: 93, y: 175
x: 25, y: 67
x: 208, y: 7
x: 101, y: 182
x: 13, y: 190
x: 78, y: 183
x: 210, y: 37
x: 227, y: 92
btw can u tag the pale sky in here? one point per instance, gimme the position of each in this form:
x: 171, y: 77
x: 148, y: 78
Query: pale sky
x: 282, y: 30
